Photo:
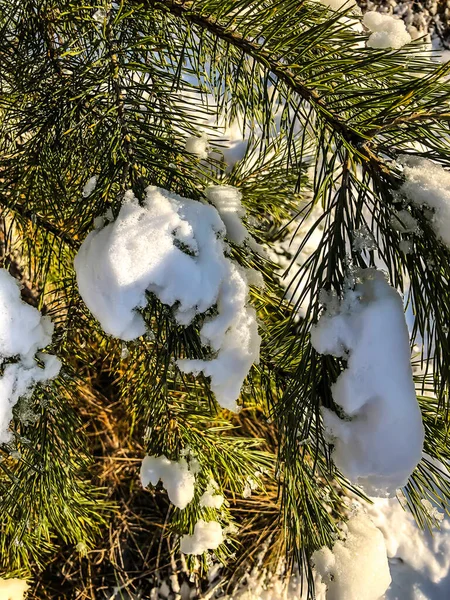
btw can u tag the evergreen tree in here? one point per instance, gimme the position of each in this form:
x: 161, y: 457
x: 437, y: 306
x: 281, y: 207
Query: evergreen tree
x: 115, y: 91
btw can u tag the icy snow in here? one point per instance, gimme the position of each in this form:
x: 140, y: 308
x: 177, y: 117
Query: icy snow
x: 23, y: 330
x: 173, y: 247
x: 428, y: 184
x: 357, y: 567
x: 210, y: 497
x: 206, y: 536
x: 379, y: 441
x: 198, y: 145
x: 89, y: 186
x: 388, y: 32
x: 13, y: 589
x: 177, y: 479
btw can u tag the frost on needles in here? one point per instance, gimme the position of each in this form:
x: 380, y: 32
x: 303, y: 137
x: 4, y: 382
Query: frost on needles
x: 173, y: 247
x: 23, y: 331
x: 378, y: 438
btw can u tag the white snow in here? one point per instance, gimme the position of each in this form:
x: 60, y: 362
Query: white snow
x: 339, y: 4
x: 403, y: 222
x: 206, y: 536
x: 13, y: 589
x: 228, y: 201
x: 357, y: 567
x: 419, y: 560
x: 210, y: 497
x: 198, y: 145
x: 89, y: 186
x: 173, y: 247
x: 23, y: 330
x: 178, y: 480
x: 388, y: 32
x: 428, y: 184
x: 233, y: 334
x: 379, y: 442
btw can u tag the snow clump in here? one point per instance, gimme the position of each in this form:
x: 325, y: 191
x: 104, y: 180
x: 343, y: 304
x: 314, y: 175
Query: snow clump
x: 210, y: 498
x: 23, y: 330
x: 173, y: 247
x: 378, y: 441
x: 13, y: 589
x: 228, y: 201
x: 206, y: 536
x: 357, y: 567
x: 89, y: 186
x: 198, y: 145
x: 428, y: 184
x: 388, y: 32
x: 178, y: 480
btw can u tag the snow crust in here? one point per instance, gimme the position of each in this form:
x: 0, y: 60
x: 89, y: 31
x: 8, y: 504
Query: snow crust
x: 178, y: 480
x: 208, y: 535
x: 210, y: 497
x: 428, y: 184
x: 23, y: 330
x: 357, y: 567
x: 378, y: 442
x: 13, y: 589
x: 173, y: 247
x: 388, y: 32
x: 198, y: 145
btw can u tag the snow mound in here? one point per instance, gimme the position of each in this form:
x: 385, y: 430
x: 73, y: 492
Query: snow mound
x: 198, y: 145
x: 210, y: 498
x: 388, y: 32
x: 419, y: 560
x: 206, y: 536
x: 23, y: 330
x: 178, y: 480
x: 13, y: 589
x: 173, y: 247
x: 428, y: 184
x: 379, y: 440
x: 356, y: 568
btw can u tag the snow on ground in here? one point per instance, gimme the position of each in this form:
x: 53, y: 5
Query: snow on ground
x: 419, y: 560
x: 173, y: 247
x: 378, y: 438
x: 356, y: 568
x: 177, y: 479
x: 23, y: 330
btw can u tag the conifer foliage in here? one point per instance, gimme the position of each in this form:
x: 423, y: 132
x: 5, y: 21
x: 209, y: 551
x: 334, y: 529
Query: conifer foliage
x: 156, y: 255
